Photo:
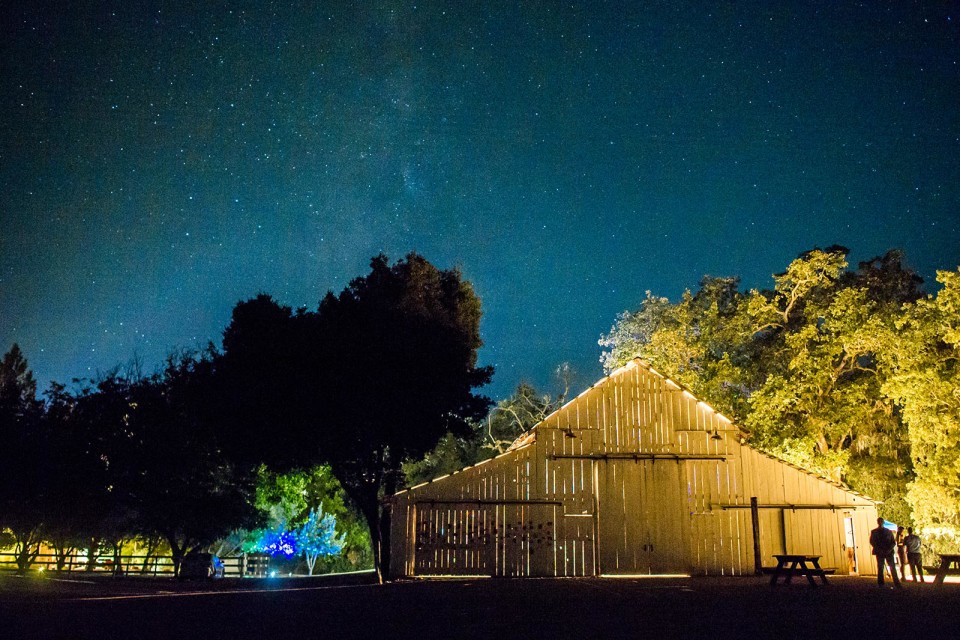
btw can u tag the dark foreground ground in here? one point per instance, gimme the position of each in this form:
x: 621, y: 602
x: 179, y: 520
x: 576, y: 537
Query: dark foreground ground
x: 350, y: 607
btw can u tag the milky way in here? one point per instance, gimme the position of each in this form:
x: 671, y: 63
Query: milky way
x: 160, y: 163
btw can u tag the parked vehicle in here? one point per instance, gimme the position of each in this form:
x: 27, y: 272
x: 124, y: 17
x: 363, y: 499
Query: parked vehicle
x: 201, y: 565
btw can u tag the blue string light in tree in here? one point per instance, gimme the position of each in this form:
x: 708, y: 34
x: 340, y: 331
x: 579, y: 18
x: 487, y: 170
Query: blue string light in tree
x: 278, y: 542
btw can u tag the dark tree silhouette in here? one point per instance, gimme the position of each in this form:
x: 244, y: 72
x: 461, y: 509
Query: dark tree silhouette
x: 186, y: 490
x: 102, y: 417
x: 267, y: 386
x: 888, y: 280
x: 377, y: 375
x: 74, y: 478
x: 23, y: 490
x: 152, y: 466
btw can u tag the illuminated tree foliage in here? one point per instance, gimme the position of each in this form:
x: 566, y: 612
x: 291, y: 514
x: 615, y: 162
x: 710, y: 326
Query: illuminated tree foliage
x: 318, y: 537
x: 309, y: 510
x: 699, y: 341
x: 923, y: 353
x: 450, y: 454
x: 512, y: 417
x: 278, y: 541
x: 799, y: 366
x: 822, y: 391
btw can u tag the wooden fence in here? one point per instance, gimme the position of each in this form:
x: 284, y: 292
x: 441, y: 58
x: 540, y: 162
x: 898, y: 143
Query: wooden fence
x: 245, y: 565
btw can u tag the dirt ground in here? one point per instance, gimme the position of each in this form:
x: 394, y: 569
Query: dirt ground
x: 740, y: 607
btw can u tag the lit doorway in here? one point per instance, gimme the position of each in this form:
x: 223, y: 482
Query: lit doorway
x: 850, y: 545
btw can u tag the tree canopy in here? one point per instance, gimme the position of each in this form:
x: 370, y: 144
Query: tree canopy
x: 846, y: 372
x: 922, y: 356
x: 123, y: 456
x: 24, y: 485
x: 376, y: 375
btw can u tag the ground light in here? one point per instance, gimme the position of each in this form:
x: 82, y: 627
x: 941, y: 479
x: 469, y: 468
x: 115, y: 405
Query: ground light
x: 629, y: 576
x: 633, y: 576
x: 453, y: 576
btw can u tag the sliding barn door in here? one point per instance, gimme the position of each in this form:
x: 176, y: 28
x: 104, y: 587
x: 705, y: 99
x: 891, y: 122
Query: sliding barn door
x: 640, y: 517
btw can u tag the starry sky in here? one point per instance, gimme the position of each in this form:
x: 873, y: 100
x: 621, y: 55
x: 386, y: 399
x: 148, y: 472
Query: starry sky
x: 160, y: 161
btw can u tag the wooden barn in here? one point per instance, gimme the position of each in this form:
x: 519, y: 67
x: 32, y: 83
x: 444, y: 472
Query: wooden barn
x: 635, y: 476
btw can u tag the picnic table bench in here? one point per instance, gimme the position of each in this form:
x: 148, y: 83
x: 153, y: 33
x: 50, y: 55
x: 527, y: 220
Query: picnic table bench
x: 949, y: 566
x: 790, y: 565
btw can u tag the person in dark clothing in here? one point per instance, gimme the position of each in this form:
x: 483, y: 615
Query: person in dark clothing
x: 902, y: 552
x: 913, y: 544
x: 884, y: 543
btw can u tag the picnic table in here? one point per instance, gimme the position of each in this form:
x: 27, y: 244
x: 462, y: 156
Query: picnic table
x: 790, y: 565
x: 949, y: 565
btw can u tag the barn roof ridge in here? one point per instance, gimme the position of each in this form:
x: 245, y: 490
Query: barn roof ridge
x: 528, y: 437
x: 530, y: 433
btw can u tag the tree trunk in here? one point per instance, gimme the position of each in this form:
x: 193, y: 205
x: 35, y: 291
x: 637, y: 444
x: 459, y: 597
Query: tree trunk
x: 93, y: 552
x: 62, y: 550
x: 389, y: 484
x: 27, y: 548
x: 369, y: 504
x: 176, y: 553
x: 384, y: 528
x: 152, y: 544
x: 118, y: 558
x: 63, y: 554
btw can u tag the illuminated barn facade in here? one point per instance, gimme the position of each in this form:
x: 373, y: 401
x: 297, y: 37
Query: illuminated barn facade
x: 634, y: 476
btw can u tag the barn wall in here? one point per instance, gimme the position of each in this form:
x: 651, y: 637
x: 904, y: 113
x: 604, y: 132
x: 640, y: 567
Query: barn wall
x: 625, y: 479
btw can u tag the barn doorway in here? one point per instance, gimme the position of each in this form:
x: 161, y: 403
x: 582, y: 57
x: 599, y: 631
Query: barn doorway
x: 850, y: 544
x: 640, y: 528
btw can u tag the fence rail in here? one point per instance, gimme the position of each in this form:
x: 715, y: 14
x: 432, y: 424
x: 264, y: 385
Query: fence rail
x: 246, y: 565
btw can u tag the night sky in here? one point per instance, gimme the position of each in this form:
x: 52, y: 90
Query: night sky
x: 161, y: 162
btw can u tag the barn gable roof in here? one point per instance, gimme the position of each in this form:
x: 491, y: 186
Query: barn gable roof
x: 529, y: 437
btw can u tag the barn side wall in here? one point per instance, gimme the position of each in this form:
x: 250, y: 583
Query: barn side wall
x: 634, y: 476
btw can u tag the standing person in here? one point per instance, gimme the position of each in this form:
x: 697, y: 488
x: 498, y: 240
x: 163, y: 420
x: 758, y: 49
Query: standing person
x: 912, y: 543
x: 902, y: 553
x: 884, y: 543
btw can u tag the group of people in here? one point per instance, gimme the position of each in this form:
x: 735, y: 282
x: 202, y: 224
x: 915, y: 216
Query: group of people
x: 907, y: 547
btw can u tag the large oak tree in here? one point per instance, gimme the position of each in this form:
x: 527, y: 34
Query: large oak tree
x: 797, y: 365
x: 378, y: 374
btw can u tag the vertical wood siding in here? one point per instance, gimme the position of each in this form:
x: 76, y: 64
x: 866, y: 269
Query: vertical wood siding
x: 624, y: 479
